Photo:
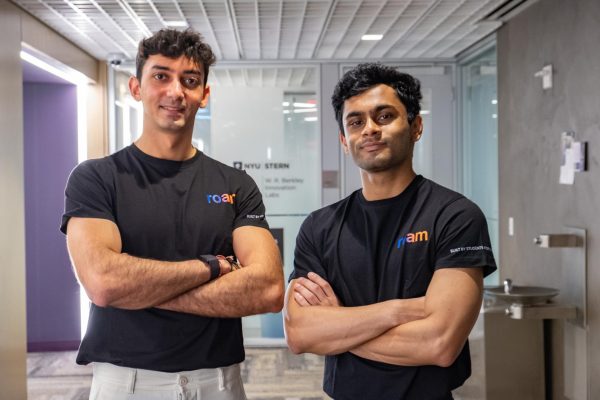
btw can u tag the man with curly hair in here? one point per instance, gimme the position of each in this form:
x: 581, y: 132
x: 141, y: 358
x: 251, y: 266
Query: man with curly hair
x: 387, y: 283
x: 155, y: 232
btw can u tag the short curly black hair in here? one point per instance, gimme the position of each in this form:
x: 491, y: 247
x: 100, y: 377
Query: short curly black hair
x: 366, y: 75
x: 173, y: 43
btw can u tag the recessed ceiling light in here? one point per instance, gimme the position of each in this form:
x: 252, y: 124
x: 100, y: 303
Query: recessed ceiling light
x: 371, y: 37
x: 176, y: 24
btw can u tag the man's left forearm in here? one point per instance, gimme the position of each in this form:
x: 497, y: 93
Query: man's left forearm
x: 254, y: 289
x: 248, y: 291
x: 437, y: 339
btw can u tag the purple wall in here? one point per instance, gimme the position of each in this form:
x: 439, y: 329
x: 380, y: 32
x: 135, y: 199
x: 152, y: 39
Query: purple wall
x: 50, y: 125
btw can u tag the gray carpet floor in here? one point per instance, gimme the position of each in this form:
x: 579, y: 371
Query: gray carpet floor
x: 268, y: 373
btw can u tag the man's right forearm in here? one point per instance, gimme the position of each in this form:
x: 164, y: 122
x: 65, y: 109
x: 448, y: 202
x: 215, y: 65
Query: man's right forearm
x: 333, y: 330
x: 134, y: 283
x: 112, y: 278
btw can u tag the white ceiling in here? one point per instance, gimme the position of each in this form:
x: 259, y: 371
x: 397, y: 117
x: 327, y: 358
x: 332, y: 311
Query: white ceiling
x: 291, y: 78
x: 281, y: 29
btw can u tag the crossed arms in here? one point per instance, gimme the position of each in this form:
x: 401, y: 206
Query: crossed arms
x: 112, y: 278
x: 430, y: 330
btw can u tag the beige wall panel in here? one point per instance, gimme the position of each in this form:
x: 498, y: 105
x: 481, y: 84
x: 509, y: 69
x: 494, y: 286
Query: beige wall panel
x: 17, y: 26
x: 12, y: 212
x: 97, y: 115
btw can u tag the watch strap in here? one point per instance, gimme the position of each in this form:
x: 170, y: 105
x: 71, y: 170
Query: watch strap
x: 213, y: 265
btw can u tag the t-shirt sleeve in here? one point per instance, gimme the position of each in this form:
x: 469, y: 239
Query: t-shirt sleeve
x: 251, y: 209
x: 86, y: 195
x: 463, y: 239
x: 307, y: 257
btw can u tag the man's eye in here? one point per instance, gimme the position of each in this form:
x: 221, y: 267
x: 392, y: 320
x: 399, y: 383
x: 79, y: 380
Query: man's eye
x: 385, y: 117
x: 355, y: 123
x: 159, y: 76
x: 191, y: 82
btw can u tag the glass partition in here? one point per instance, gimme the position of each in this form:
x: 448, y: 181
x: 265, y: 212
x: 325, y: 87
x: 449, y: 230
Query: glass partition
x: 266, y: 121
x: 480, y: 139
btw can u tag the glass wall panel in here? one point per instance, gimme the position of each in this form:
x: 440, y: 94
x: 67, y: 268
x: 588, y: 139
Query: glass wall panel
x: 266, y: 121
x: 480, y: 139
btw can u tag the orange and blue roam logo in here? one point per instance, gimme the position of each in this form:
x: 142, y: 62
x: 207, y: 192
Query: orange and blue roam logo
x: 421, y: 236
x: 225, y: 198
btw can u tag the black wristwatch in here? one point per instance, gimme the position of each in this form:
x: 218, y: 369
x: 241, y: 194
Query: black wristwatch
x: 213, y: 264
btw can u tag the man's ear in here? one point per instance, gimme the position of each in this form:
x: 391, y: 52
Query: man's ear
x: 344, y: 143
x: 134, y: 88
x: 205, y: 96
x: 416, y: 128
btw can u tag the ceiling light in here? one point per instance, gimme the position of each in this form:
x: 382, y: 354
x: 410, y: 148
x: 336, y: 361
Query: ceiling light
x: 371, y: 37
x: 304, y: 110
x: 176, y: 24
x: 310, y: 119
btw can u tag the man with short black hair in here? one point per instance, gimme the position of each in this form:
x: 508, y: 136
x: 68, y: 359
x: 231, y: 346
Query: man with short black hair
x: 155, y: 232
x: 387, y: 283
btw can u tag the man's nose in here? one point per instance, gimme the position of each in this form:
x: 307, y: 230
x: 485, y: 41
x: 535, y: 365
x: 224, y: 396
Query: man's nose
x: 175, y: 89
x: 371, y: 128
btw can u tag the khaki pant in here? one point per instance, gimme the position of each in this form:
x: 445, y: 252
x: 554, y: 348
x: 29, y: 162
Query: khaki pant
x: 111, y: 382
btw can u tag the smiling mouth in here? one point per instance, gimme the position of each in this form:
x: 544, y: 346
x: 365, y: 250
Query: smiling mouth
x: 174, y: 110
x: 372, y: 146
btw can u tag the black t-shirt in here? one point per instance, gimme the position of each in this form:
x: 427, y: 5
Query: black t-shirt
x: 171, y: 211
x: 372, y: 251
